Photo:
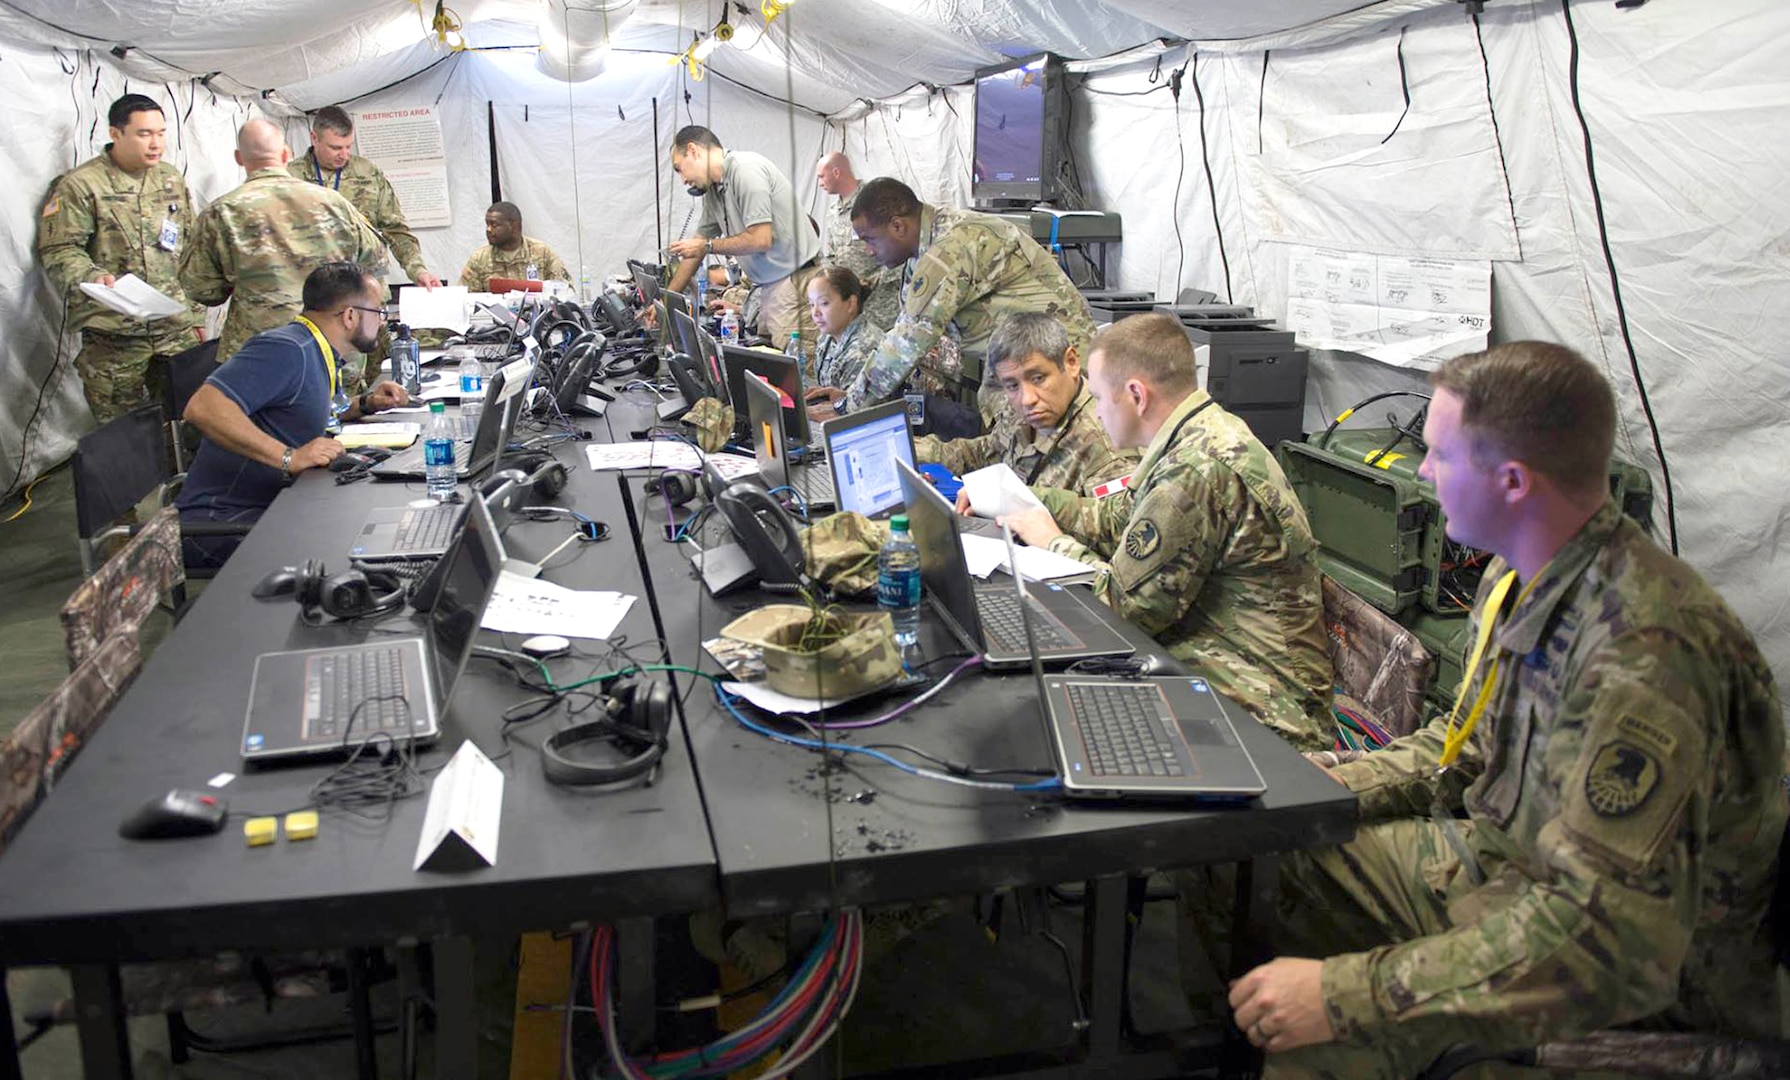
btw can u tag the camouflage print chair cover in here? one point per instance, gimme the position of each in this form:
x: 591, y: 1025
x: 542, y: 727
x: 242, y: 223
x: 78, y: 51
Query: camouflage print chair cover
x: 712, y: 421
x: 1382, y: 670
x: 122, y: 593
x: 842, y: 550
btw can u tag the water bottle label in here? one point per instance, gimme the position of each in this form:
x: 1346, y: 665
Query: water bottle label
x: 898, y: 589
x: 438, y: 452
x: 472, y: 384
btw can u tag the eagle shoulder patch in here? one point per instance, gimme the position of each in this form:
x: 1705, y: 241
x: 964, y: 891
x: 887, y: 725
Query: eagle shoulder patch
x: 1621, y: 778
x: 1143, y: 540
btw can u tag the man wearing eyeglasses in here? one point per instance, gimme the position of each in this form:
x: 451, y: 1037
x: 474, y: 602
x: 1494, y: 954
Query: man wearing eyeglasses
x: 254, y: 245
x: 272, y: 410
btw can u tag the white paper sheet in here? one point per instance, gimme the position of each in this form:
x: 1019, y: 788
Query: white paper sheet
x: 1043, y: 564
x: 664, y: 454
x: 984, y: 554
x: 443, y: 307
x: 774, y: 701
x: 135, y: 297
x: 998, y: 490
x: 1406, y: 311
x: 522, y: 605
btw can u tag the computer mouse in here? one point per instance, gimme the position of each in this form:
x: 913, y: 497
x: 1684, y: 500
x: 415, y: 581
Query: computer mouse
x: 1159, y: 664
x: 351, y: 460
x: 178, y: 813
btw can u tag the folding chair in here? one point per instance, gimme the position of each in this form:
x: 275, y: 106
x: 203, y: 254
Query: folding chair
x: 182, y: 375
x: 120, y: 595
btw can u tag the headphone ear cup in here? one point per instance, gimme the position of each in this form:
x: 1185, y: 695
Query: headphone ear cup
x: 345, y: 595
x: 649, y: 708
x: 309, y: 589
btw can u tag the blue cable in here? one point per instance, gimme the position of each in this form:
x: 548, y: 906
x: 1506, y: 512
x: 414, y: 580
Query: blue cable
x: 727, y: 702
x: 801, y: 503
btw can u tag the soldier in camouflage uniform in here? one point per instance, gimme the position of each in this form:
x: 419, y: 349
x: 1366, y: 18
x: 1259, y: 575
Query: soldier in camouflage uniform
x: 1621, y: 781
x: 509, y: 254
x: 847, y: 339
x: 962, y: 274
x: 1050, y: 435
x: 1211, y: 552
x: 840, y: 246
x: 125, y: 211
x: 255, y: 245
x: 332, y: 163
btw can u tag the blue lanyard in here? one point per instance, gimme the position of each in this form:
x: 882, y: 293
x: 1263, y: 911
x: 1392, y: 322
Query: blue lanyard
x: 318, y: 169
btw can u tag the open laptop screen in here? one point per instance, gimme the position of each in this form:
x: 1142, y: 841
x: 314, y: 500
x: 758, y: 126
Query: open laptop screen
x: 943, y: 572
x: 862, y: 450
x: 781, y: 371
x: 474, y: 563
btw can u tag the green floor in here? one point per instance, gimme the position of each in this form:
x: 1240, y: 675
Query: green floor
x: 945, y: 992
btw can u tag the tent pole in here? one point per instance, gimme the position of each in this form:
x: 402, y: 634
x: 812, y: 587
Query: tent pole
x: 658, y: 199
x: 491, y: 138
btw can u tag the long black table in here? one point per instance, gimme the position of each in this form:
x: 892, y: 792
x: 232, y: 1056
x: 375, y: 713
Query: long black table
x: 731, y: 819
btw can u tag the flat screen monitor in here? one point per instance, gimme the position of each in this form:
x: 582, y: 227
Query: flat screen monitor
x: 1019, y: 131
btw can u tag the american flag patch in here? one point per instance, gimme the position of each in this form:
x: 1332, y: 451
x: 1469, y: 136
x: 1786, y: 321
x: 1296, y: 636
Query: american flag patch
x: 1112, y: 487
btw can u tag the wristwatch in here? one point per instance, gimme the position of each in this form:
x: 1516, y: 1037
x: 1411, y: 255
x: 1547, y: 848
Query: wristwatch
x: 366, y: 408
x: 286, y: 463
x: 708, y: 245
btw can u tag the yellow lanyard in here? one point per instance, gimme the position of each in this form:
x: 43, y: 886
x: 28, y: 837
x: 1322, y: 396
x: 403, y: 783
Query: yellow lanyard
x: 329, y: 354
x: 1456, y: 738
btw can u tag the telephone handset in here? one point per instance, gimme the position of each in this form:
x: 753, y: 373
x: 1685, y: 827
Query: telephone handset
x: 763, y: 529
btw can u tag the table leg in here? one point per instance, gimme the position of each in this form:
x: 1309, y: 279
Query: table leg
x: 1258, y: 880
x: 456, y: 1025
x: 1103, y: 966
x: 360, y: 1015
x: 99, y: 1021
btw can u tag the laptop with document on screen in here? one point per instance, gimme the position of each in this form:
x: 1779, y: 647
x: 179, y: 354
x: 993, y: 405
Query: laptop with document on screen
x: 862, y: 450
x: 985, y: 617
x: 503, y: 398
x: 1167, y: 737
x: 390, y: 690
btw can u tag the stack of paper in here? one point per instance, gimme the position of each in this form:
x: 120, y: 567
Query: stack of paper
x: 664, y: 454
x: 135, y: 297
x: 380, y: 434
x: 998, y: 490
x: 522, y: 605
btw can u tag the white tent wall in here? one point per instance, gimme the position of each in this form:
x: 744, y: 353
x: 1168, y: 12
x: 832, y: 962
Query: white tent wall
x: 58, y: 100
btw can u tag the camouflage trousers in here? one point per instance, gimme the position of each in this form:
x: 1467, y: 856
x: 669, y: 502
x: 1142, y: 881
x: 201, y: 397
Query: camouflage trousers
x: 117, y: 374
x: 1388, y: 885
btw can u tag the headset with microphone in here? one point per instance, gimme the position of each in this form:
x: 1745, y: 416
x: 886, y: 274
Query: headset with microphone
x: 636, y: 725
x: 352, y: 594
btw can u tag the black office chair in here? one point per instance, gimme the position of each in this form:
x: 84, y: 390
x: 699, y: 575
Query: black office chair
x: 1686, y: 1055
x: 115, y: 468
x: 182, y: 375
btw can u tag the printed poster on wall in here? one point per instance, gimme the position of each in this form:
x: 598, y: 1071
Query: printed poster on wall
x: 1413, y: 312
x: 406, y: 144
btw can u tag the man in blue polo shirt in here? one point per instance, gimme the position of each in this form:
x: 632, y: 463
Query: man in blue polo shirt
x: 270, y: 411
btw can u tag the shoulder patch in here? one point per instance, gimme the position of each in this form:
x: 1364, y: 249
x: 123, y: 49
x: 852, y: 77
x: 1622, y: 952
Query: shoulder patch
x: 54, y: 206
x: 1621, y: 778
x: 1112, y: 487
x: 1142, y: 540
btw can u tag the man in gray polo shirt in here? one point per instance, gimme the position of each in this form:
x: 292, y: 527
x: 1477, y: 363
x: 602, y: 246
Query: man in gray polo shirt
x: 749, y: 211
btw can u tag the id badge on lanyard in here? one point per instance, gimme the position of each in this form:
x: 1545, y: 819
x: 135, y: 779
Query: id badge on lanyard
x: 338, y: 398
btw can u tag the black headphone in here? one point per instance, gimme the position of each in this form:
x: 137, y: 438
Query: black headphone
x: 351, y: 594
x: 639, y: 716
x: 678, y: 488
x: 550, y: 476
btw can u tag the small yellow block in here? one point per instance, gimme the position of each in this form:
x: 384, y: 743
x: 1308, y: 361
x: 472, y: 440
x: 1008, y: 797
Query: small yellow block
x: 301, y: 824
x: 259, y: 831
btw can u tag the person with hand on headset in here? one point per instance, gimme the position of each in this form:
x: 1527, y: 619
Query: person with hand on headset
x: 1054, y: 437
x: 749, y: 212
x: 270, y: 411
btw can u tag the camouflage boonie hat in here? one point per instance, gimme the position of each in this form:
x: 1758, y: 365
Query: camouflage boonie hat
x: 713, y: 422
x: 842, y: 550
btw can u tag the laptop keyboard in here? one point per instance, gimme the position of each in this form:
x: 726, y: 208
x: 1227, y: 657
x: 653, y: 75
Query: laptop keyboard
x: 370, y: 679
x: 463, y: 427
x: 1122, y: 729
x: 815, y: 485
x: 1003, y: 628
x: 427, y: 530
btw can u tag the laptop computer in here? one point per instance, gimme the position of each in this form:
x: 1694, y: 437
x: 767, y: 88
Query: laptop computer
x: 771, y: 446
x: 986, y: 617
x: 471, y: 459
x: 406, y: 533
x: 329, y: 700
x: 862, y: 450
x: 782, y: 372
x: 1168, y: 737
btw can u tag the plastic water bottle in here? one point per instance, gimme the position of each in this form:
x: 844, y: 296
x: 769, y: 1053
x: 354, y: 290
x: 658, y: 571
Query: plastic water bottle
x: 794, y: 349
x: 472, y: 388
x: 406, y: 360
x: 438, y: 453
x: 898, y: 581
x: 730, y: 328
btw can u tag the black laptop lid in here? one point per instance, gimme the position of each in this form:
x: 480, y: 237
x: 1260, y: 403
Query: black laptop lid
x: 473, y: 564
x: 763, y: 409
x: 782, y: 371
x: 943, y: 571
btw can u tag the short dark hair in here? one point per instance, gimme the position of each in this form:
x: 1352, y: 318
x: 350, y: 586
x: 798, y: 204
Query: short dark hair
x: 334, y: 283
x: 843, y: 282
x: 332, y: 118
x: 1020, y: 335
x: 509, y: 211
x: 1539, y: 403
x: 882, y: 199
x: 694, y: 133
x: 119, y: 115
x: 1152, y: 347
